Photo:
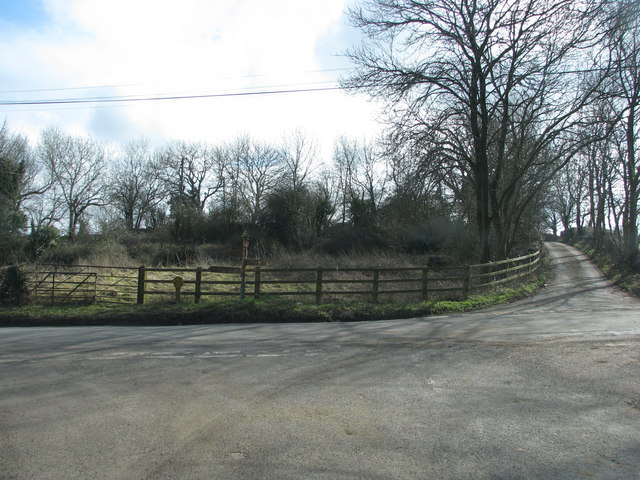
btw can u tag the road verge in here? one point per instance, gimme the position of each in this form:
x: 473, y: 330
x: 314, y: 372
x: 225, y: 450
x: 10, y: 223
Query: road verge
x: 273, y: 310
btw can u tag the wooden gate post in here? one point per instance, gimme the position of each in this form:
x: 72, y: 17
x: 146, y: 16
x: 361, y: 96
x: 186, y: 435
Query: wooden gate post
x: 467, y: 281
x: 376, y: 285
x: 243, y: 271
x: 425, y: 284
x: 141, y: 278
x: 198, y: 291
x: 319, y: 285
x: 256, y: 283
x: 53, y: 287
x: 243, y: 281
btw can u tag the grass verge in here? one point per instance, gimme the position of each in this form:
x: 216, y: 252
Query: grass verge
x: 622, y: 275
x: 269, y: 310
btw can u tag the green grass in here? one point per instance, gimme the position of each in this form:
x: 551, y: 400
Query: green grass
x: 268, y: 310
x: 621, y: 274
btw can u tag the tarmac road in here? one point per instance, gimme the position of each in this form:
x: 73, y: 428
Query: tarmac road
x: 545, y: 388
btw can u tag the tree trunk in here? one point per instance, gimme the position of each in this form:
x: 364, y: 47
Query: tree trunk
x: 482, y: 211
x: 630, y: 225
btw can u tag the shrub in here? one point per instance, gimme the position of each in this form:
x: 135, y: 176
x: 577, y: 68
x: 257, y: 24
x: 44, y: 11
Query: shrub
x: 41, y: 239
x: 67, y: 252
x: 13, y: 286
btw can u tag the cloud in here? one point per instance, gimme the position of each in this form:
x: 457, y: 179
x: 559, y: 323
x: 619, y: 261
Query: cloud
x: 151, y: 47
x: 111, y: 125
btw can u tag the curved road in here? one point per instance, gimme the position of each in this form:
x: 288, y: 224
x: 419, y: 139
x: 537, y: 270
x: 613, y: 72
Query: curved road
x: 548, y: 387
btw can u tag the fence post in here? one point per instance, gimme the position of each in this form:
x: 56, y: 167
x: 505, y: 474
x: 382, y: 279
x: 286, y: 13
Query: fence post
x: 141, y: 278
x: 467, y: 281
x: 177, y: 283
x: 319, y: 285
x: 37, y: 278
x: 53, y: 287
x: 243, y: 281
x: 425, y: 284
x: 256, y: 283
x: 376, y: 284
x: 198, y: 291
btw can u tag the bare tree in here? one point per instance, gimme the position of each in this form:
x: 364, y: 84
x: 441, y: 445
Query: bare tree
x: 623, y: 26
x: 135, y: 188
x: 232, y: 158
x: 76, y: 167
x: 372, y: 176
x: 294, y: 211
x: 422, y: 186
x: 346, y: 158
x: 300, y: 152
x: 47, y: 209
x: 250, y: 171
x: 489, y: 77
x: 260, y: 172
x: 566, y: 192
x: 190, y: 174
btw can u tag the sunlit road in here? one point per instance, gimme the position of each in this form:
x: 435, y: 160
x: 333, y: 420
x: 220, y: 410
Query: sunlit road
x: 545, y: 388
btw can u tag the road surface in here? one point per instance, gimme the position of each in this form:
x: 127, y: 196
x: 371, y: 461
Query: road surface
x: 548, y: 387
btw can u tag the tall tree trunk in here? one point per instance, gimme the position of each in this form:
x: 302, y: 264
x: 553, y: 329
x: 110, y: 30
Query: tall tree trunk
x: 482, y: 210
x: 630, y: 224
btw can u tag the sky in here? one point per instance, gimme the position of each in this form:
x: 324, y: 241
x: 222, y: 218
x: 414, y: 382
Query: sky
x: 223, y: 50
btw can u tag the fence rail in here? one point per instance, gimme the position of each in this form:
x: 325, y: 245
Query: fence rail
x: 127, y: 285
x: 65, y: 286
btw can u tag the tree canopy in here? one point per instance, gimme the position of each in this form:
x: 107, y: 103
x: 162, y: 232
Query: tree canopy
x: 483, y: 89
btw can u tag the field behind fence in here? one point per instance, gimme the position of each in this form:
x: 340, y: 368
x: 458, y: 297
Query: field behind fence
x: 56, y: 284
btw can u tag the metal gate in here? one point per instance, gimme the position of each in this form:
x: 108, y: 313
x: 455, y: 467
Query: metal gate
x: 64, y: 287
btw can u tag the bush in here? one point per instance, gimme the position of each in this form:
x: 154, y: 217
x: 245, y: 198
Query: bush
x: 10, y: 249
x: 13, y: 286
x: 40, y: 240
x: 68, y: 251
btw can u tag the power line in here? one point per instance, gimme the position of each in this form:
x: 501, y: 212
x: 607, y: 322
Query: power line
x: 164, y: 97
x: 129, y: 99
x: 122, y: 85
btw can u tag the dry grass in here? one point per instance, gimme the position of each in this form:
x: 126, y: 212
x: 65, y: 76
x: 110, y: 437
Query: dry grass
x: 382, y: 277
x: 380, y: 259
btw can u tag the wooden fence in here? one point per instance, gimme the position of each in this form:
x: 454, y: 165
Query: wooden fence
x: 126, y: 285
